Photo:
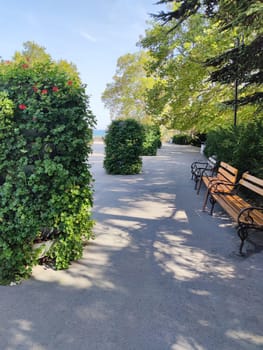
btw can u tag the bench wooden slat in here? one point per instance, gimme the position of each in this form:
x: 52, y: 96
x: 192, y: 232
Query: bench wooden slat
x: 225, y: 172
x: 227, y: 175
x: 252, y: 187
x: 231, y: 203
x: 246, y: 215
x: 209, y: 180
x: 257, y: 215
x: 228, y: 167
x: 254, y: 179
x: 233, y: 209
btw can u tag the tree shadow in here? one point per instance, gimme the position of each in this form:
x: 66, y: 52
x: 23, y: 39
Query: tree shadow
x: 161, y: 274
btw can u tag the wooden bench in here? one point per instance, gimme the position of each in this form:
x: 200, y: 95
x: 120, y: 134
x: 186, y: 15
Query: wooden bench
x: 203, y: 168
x: 247, y: 216
x: 225, y: 174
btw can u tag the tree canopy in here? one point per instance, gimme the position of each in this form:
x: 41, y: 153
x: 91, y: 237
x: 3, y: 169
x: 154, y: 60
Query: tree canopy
x: 197, y: 54
x: 124, y: 97
x: 182, y: 96
x: 33, y: 52
x: 242, y: 61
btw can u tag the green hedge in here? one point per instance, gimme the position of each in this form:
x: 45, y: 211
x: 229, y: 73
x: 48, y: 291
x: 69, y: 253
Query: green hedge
x: 186, y: 139
x: 241, y: 146
x: 45, y: 182
x: 181, y: 139
x: 152, y: 140
x: 123, y: 147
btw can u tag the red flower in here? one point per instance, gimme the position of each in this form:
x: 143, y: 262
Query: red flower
x: 22, y: 106
x: 55, y: 88
x: 25, y: 65
x: 44, y: 91
x: 35, y: 88
x: 70, y: 82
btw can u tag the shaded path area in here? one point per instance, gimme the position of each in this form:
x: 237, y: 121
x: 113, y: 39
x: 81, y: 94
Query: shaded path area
x: 160, y: 275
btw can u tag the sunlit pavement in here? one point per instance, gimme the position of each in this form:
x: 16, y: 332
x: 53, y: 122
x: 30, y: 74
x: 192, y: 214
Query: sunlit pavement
x: 161, y: 274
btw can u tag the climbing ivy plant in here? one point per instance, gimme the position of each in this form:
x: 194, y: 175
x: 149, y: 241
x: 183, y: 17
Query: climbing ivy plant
x: 45, y: 182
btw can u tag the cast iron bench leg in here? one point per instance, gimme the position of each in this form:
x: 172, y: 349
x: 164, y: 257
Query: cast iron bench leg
x: 243, y: 234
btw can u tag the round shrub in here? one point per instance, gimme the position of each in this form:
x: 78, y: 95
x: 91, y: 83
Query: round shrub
x: 45, y: 182
x: 123, y: 147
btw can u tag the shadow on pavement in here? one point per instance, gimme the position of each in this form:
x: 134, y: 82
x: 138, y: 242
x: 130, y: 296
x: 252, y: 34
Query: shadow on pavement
x: 161, y: 274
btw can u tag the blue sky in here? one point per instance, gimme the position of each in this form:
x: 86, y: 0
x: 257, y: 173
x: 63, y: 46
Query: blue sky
x: 92, y: 34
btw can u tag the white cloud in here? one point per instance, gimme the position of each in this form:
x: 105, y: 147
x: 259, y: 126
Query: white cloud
x: 88, y: 37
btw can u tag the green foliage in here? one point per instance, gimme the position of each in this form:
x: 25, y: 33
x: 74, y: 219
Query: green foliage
x: 182, y: 97
x: 198, y: 139
x: 123, y: 147
x: 241, y: 146
x: 125, y: 96
x: 45, y: 182
x: 152, y: 140
x: 222, y: 142
x: 181, y: 139
x: 187, y: 139
x: 32, y: 50
x: 194, y: 60
x: 243, y: 62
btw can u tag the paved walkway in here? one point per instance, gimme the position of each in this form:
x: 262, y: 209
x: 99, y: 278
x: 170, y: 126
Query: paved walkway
x: 161, y: 274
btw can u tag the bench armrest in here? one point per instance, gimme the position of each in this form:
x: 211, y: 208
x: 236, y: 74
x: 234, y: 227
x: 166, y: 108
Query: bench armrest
x: 198, y: 164
x: 214, y: 186
x: 208, y: 171
x: 245, y: 213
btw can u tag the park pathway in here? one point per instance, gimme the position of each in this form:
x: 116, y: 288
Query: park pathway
x: 160, y: 275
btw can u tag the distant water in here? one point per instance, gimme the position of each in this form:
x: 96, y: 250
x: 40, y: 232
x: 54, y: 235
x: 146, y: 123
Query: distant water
x: 99, y: 133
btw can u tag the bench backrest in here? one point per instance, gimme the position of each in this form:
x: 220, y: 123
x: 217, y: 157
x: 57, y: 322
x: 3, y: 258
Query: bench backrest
x: 212, y: 162
x: 227, y: 173
x: 253, y: 183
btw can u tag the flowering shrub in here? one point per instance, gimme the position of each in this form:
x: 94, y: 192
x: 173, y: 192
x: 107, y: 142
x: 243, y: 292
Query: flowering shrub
x: 45, y: 182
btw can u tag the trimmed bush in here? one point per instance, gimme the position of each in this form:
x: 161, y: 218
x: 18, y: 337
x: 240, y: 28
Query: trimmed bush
x: 123, y: 147
x: 152, y: 140
x: 45, y: 182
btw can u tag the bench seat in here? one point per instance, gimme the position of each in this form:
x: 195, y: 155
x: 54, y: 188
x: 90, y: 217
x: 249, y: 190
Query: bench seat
x: 247, y: 216
x: 225, y: 174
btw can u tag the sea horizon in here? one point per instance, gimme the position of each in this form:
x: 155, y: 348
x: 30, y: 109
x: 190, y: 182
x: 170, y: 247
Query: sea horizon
x: 99, y: 132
